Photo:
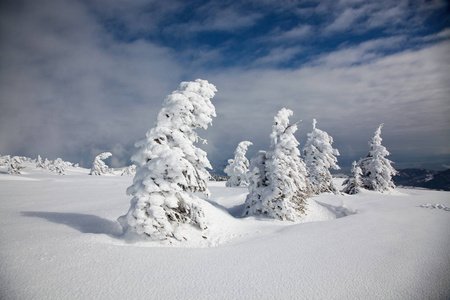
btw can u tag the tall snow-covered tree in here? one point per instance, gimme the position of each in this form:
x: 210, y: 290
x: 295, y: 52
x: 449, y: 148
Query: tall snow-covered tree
x: 238, y: 167
x: 377, y: 169
x: 258, y: 185
x: 279, y: 188
x: 170, y: 169
x: 320, y: 156
x: 98, y: 166
x: 354, y: 182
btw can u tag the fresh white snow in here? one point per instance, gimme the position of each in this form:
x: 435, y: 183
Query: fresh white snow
x: 60, y: 240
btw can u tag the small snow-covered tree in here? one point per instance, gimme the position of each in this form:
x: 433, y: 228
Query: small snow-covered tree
x: 375, y: 167
x: 98, y: 166
x: 59, y: 166
x: 129, y: 171
x: 320, y: 156
x: 5, y: 160
x: 281, y: 189
x: 39, y: 162
x: 238, y: 167
x: 15, y: 165
x: 354, y: 182
x: 170, y: 169
x: 47, y: 164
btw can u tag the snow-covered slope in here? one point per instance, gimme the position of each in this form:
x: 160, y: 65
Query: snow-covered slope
x: 60, y: 240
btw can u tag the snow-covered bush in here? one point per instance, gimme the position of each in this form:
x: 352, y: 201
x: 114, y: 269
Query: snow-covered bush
x: 59, y: 166
x: 319, y: 158
x: 15, y: 165
x: 278, y: 185
x: 375, y: 167
x: 170, y: 169
x: 238, y: 167
x: 98, y: 166
x: 354, y: 182
x: 129, y: 171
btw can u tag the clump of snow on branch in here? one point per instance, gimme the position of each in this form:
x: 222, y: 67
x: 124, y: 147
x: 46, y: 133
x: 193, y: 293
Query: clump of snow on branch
x: 320, y: 156
x: 354, y: 182
x: 279, y: 187
x: 170, y: 169
x: 238, y: 167
x: 98, y: 166
x: 375, y: 167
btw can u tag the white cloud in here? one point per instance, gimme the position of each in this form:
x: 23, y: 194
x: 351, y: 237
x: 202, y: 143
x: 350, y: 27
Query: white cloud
x: 67, y: 87
x: 276, y: 56
x: 407, y: 91
x: 360, y: 54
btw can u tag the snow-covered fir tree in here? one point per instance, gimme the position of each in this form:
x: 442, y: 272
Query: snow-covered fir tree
x: 279, y: 187
x: 39, y: 162
x: 59, y: 166
x: 47, y: 164
x: 320, y: 156
x: 354, y: 182
x: 377, y: 169
x: 238, y: 167
x: 5, y: 160
x: 258, y: 185
x: 170, y: 169
x: 15, y: 165
x: 98, y: 166
x: 129, y: 171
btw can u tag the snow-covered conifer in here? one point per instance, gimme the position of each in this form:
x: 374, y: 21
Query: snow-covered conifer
x: 169, y: 168
x: 59, y: 166
x: 47, y: 164
x: 15, y: 165
x: 129, y: 171
x: 258, y: 185
x: 278, y: 184
x: 375, y: 167
x: 238, y: 167
x: 98, y: 166
x: 5, y: 160
x: 39, y: 162
x: 354, y: 182
x: 319, y: 158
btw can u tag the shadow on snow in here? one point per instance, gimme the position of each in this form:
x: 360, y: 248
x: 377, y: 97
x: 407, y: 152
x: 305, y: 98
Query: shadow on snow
x: 338, y: 211
x: 82, y: 222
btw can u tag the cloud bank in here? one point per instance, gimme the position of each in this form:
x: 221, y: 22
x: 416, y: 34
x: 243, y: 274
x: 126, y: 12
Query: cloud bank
x: 80, y: 78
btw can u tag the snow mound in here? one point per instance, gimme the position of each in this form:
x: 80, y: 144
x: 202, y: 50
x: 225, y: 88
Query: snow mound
x: 226, y: 226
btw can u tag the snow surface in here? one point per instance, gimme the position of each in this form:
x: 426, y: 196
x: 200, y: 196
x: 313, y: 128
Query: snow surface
x: 60, y: 240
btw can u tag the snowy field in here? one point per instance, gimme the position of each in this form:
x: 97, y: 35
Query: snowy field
x: 60, y: 240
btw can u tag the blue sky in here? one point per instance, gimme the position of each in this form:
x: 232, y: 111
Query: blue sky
x: 81, y: 77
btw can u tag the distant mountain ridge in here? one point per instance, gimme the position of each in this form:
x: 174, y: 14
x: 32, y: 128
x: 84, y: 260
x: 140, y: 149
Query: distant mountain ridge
x: 436, y: 180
